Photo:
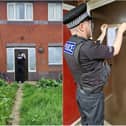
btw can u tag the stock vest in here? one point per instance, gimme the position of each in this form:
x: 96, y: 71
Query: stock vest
x: 86, y: 60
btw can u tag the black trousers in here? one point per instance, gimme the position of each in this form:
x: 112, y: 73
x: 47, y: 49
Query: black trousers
x: 91, y: 107
x: 20, y: 71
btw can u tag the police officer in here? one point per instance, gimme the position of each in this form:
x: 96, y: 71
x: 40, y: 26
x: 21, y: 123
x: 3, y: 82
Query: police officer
x: 20, y: 67
x: 86, y: 60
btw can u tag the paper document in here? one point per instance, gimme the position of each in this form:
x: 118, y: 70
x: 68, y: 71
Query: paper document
x: 111, y: 35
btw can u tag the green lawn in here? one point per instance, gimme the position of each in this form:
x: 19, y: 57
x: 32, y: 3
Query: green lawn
x: 41, y: 106
x: 7, y: 97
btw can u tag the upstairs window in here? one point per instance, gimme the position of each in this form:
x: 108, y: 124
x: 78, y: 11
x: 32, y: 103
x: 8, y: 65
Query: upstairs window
x: 55, y: 12
x: 20, y: 11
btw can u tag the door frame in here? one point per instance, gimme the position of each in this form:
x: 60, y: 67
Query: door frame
x: 15, y: 48
x: 20, y: 48
x: 93, y: 4
x: 16, y: 52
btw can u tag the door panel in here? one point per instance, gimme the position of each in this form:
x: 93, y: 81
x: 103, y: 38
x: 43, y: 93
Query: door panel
x: 21, y: 65
x: 115, y: 105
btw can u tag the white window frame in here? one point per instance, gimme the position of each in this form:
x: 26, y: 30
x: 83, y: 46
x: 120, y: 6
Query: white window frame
x: 50, y: 18
x: 48, y: 56
x: 13, y: 70
x: 29, y: 70
x: 15, y: 19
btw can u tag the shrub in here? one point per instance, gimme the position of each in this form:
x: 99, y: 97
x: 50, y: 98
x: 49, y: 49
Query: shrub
x: 2, y: 82
x: 48, y: 83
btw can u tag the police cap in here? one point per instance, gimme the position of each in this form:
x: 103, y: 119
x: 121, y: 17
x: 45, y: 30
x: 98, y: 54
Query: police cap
x: 77, y: 15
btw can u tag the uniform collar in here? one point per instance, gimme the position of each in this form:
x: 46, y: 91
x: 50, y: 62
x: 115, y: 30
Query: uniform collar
x: 82, y: 38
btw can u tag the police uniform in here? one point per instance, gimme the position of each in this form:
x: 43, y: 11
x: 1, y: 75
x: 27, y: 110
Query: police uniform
x: 86, y: 60
x: 20, y: 68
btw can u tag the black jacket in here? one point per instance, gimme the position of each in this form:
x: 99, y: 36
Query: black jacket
x: 91, y: 70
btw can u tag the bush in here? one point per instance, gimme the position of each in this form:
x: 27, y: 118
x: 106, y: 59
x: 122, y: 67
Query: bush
x: 48, y: 83
x: 3, y: 82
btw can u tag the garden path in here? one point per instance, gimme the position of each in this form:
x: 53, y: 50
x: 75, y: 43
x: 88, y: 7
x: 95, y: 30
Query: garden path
x: 16, y: 108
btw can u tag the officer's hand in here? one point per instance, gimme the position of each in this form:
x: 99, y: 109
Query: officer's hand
x: 122, y: 27
x: 104, y: 28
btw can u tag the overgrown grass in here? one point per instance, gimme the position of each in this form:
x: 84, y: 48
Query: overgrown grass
x: 41, y: 106
x: 7, y: 97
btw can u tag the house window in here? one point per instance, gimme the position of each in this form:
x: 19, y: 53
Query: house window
x: 55, y: 12
x: 10, y: 60
x: 20, y: 11
x: 32, y: 60
x: 54, y: 55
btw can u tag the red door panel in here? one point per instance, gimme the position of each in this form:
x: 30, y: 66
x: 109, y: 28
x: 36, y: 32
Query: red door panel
x: 70, y: 109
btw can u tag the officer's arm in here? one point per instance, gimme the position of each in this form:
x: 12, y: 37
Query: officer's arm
x: 101, y: 37
x: 100, y: 51
x: 103, y: 30
x: 119, y: 39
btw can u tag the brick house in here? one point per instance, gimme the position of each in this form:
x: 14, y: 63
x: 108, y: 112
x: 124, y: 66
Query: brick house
x: 35, y: 28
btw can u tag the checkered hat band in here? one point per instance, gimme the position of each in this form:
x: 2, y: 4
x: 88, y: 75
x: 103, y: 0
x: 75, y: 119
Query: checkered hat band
x: 77, y: 21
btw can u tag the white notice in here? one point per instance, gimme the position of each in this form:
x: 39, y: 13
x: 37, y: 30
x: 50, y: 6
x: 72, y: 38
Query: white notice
x: 111, y: 35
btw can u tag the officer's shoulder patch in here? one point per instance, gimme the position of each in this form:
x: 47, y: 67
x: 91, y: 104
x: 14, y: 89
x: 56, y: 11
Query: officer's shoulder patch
x: 69, y: 47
